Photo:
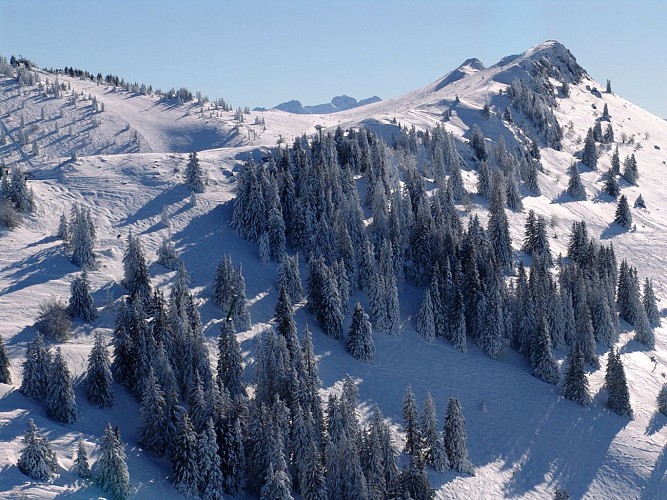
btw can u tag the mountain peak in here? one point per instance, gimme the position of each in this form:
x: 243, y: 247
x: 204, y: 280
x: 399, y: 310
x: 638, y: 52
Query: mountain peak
x: 467, y: 67
x: 555, y: 60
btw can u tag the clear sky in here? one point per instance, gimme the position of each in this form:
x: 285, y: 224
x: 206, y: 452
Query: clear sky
x: 262, y: 52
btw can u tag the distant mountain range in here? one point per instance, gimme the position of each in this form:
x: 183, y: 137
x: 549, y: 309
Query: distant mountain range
x: 338, y: 103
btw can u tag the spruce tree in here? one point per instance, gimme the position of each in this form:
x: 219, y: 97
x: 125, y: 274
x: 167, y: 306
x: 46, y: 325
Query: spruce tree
x: 82, y: 239
x: 455, y: 438
x: 611, y: 186
x: 458, y: 322
x: 167, y: 255
x: 136, y: 275
x: 575, y: 383
x: 5, y: 374
x: 81, y: 466
x: 630, y: 170
x: 111, y: 470
x: 360, y: 337
x: 662, y: 399
x: 184, y: 459
x: 615, y: 162
x: 589, y: 156
x: 230, y: 367
x: 648, y: 301
x: 36, y: 369
x: 425, y: 318
x: 59, y: 402
x: 414, y: 482
x: 433, y: 447
x: 575, y: 187
x: 99, y: 380
x: 411, y: 424
x: 151, y: 434
x: 81, y: 304
x: 617, y: 386
x: 210, y: 473
x: 544, y: 366
x: 37, y: 459
x: 623, y: 217
x: 289, y: 279
x: 195, y: 178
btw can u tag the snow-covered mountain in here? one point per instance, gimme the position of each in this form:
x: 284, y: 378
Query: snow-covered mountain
x: 338, y: 103
x: 523, y: 437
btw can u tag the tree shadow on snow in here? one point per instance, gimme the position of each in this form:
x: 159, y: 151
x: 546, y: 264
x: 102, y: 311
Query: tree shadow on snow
x: 154, y: 207
x: 657, y: 422
x: 612, y: 230
x: 656, y: 486
x: 46, y: 265
x: 570, y: 465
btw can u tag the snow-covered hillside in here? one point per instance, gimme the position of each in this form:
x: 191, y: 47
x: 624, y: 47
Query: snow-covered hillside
x: 523, y: 437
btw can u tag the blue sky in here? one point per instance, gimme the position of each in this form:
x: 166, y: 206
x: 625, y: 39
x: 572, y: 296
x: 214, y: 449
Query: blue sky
x: 261, y: 53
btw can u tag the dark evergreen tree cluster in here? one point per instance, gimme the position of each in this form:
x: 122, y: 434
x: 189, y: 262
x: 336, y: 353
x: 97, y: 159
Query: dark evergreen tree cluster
x: 631, y: 307
x: 536, y: 107
x: 426, y: 444
x: 16, y: 197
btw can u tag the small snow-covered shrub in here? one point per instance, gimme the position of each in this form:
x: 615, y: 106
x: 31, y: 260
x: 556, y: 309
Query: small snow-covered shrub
x: 54, y: 320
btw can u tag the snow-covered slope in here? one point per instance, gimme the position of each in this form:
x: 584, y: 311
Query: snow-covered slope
x: 527, y: 440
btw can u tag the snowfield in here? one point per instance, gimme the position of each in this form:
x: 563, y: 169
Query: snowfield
x: 523, y: 437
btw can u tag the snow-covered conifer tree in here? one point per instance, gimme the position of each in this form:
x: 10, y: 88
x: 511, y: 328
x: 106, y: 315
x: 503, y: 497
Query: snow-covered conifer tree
x: 275, y: 230
x: 458, y: 322
x: 611, y: 186
x: 413, y: 438
x: 630, y: 170
x: 82, y: 240
x: 643, y: 331
x: 575, y: 383
x: 615, y: 162
x: 649, y: 302
x: 617, y: 385
x: 425, y: 318
x: 585, y: 334
x: 662, y: 399
x: 111, y: 468
x: 455, y: 438
x: 36, y: 369
x: 151, y: 434
x: 167, y: 255
x: 99, y: 381
x: 289, y: 279
x: 137, y: 278
x: 20, y: 194
x: 195, y: 177
x: 498, y: 226
x: 484, y: 180
x: 184, y: 459
x: 5, y: 374
x: 230, y: 368
x: 544, y: 366
x: 64, y: 231
x: 59, y: 402
x: 37, y: 459
x: 360, y: 337
x: 433, y: 447
x: 81, y: 466
x: 210, y: 473
x: 589, y: 157
x: 575, y: 187
x: 623, y: 216
x: 81, y: 304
